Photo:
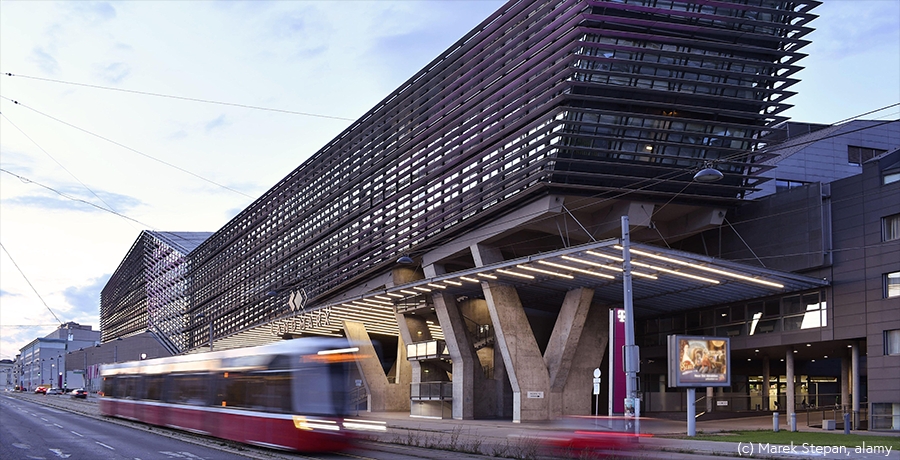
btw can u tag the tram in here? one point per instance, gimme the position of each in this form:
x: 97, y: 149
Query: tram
x: 290, y: 395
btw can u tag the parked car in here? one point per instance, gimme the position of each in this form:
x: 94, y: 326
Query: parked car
x: 79, y: 393
x: 40, y: 390
x: 54, y: 391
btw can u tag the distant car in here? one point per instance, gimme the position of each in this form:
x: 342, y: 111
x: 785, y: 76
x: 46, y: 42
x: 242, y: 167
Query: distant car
x: 40, y: 390
x: 54, y: 391
x: 80, y: 393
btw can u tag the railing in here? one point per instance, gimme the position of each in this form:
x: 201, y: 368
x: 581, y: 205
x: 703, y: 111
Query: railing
x: 432, y: 349
x: 816, y: 415
x: 431, y: 391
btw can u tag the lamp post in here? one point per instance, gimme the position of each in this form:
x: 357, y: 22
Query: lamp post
x: 632, y: 359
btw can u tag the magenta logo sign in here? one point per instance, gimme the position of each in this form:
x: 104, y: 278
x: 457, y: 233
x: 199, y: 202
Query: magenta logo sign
x: 617, y: 360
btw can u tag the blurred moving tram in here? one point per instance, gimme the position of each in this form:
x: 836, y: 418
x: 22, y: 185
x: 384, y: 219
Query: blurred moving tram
x: 289, y: 395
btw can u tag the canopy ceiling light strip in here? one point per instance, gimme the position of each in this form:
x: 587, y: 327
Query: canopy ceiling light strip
x: 673, y: 272
x: 546, y: 272
x: 608, y: 267
x: 704, y: 268
x: 577, y: 270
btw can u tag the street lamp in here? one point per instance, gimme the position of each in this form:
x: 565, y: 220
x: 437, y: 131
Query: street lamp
x: 708, y: 174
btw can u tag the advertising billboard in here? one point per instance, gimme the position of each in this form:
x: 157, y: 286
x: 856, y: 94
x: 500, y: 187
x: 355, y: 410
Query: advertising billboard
x: 699, y: 361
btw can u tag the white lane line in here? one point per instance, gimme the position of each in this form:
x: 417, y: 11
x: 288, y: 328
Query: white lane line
x: 58, y: 425
x: 77, y: 434
x: 104, y: 445
x: 42, y: 418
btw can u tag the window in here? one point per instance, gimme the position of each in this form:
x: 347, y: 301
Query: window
x: 891, y: 285
x: 784, y: 184
x: 890, y: 227
x: 890, y: 177
x: 856, y: 156
x: 892, y: 342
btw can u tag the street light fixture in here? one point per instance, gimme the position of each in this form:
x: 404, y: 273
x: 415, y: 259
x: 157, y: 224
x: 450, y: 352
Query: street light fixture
x: 708, y: 174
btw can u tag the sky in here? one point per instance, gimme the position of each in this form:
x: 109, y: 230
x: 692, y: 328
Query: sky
x: 89, y: 156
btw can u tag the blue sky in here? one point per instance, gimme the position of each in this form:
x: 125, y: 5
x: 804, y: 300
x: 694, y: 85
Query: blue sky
x: 141, y: 155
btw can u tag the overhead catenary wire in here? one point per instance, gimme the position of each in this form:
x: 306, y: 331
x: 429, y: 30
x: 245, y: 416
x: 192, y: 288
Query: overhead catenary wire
x: 166, y: 163
x: 183, y: 98
x: 92, y: 192
x: 29, y: 181
x: 658, y: 179
x: 29, y: 283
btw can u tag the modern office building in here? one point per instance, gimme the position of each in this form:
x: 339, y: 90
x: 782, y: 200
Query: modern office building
x: 473, y: 224
x: 43, y: 362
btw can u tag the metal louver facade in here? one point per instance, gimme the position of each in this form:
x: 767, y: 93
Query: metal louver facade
x: 581, y: 97
x: 149, y: 290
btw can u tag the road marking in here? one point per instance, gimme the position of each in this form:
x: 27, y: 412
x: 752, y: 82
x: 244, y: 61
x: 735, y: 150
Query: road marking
x: 59, y: 453
x: 104, y: 445
x: 77, y: 434
x: 57, y: 424
x: 42, y: 418
x: 19, y: 445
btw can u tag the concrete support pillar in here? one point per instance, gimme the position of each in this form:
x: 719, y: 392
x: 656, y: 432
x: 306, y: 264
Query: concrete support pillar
x: 663, y: 406
x: 467, y: 373
x: 845, y: 383
x: 765, y: 386
x: 709, y: 399
x: 522, y: 357
x: 408, y: 328
x: 789, y: 387
x: 564, y: 342
x: 383, y: 396
x: 854, y: 364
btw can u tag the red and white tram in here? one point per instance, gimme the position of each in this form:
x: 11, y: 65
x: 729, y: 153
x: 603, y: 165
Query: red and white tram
x: 288, y: 395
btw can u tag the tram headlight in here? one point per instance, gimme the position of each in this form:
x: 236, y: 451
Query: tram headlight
x: 309, y: 424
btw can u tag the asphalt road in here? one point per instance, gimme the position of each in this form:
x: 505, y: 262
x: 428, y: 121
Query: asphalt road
x: 51, y: 427
x: 33, y: 431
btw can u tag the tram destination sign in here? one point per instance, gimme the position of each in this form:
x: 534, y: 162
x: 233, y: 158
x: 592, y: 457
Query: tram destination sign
x: 696, y: 361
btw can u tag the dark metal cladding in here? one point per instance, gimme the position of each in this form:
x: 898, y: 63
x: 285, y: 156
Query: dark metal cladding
x: 583, y: 97
x: 149, y: 289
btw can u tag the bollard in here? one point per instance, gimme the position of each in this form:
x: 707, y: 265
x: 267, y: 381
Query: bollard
x: 793, y: 422
x: 775, y: 422
x: 847, y: 423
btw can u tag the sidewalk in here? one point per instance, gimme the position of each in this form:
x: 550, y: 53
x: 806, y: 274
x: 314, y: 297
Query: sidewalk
x: 419, y: 431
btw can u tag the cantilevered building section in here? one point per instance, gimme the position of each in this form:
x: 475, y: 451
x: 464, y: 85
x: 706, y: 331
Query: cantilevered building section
x: 149, y: 291
x: 586, y: 99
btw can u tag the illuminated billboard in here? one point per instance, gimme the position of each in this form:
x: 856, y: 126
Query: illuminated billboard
x: 699, y: 361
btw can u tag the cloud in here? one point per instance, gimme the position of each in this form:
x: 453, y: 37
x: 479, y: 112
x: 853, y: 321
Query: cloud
x: 94, y: 11
x: 114, y: 73
x: 217, y: 123
x: 44, y: 60
x: 178, y: 135
x: 8, y: 294
x: 85, y: 300
x: 846, y: 29
x: 114, y: 201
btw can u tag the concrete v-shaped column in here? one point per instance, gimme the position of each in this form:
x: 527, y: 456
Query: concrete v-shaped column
x: 521, y: 354
x: 383, y: 396
x: 564, y: 340
x: 466, y: 366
